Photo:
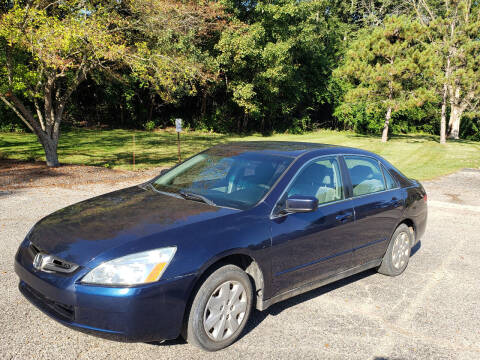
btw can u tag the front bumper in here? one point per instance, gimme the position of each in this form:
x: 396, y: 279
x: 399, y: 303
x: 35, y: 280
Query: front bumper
x: 149, y: 312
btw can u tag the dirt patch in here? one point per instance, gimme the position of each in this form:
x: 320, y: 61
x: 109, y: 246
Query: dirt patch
x: 17, y: 175
x: 455, y: 198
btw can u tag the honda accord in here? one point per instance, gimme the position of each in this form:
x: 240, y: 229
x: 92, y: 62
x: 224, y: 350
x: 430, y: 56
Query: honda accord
x: 235, y: 228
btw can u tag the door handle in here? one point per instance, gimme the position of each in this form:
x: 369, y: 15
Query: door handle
x: 396, y: 202
x: 343, y: 217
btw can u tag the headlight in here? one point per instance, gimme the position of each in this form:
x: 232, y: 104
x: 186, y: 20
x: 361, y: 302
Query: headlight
x: 134, y: 269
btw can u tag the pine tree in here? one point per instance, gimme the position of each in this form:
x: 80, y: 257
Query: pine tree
x: 384, y: 67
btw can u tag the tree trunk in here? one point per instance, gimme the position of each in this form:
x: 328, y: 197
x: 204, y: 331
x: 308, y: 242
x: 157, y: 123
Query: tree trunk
x: 443, y: 119
x: 245, y: 123
x: 47, y: 126
x: 50, y: 147
x: 203, y: 109
x: 454, y: 122
x: 150, y: 110
x: 388, y: 116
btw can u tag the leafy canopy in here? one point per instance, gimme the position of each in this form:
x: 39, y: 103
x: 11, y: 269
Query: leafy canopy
x: 278, y: 66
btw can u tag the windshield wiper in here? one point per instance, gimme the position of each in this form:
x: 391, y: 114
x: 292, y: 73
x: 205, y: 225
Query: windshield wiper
x: 181, y: 194
x: 196, y: 197
x: 150, y: 186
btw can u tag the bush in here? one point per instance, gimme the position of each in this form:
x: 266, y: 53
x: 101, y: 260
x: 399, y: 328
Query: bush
x: 299, y: 126
x: 356, y: 117
x: 470, y: 128
x: 13, y: 127
x: 149, y: 126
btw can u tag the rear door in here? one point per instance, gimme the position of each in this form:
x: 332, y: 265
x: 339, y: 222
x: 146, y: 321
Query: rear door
x: 311, y: 246
x: 377, y: 201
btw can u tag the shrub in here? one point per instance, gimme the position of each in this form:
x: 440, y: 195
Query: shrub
x: 149, y: 126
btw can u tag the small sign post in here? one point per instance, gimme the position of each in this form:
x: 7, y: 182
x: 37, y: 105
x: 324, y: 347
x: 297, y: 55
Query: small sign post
x: 134, y: 151
x: 178, y: 129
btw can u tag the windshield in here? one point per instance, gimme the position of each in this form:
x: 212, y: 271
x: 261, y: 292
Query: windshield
x: 230, y: 180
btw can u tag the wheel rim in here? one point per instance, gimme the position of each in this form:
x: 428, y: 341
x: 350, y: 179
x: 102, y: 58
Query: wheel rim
x: 401, y: 250
x: 225, y: 310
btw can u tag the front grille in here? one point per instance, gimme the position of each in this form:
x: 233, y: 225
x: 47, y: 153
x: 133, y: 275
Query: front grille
x: 55, y: 309
x: 52, y: 263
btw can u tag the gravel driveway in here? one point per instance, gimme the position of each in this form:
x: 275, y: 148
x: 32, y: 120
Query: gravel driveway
x: 432, y: 311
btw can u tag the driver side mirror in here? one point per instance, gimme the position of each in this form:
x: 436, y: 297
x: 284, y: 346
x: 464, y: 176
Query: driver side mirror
x: 300, y: 203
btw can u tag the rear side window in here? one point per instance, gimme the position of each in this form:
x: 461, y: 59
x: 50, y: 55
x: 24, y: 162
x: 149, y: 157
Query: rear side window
x: 391, y: 183
x: 366, y: 175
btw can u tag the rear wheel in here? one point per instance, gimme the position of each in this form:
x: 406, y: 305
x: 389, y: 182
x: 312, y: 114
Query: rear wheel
x: 220, y: 309
x: 397, y: 256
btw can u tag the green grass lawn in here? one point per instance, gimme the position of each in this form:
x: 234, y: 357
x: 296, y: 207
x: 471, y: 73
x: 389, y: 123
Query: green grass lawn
x: 418, y: 156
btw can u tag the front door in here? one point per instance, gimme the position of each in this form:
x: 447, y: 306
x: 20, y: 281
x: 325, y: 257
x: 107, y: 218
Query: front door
x: 311, y: 246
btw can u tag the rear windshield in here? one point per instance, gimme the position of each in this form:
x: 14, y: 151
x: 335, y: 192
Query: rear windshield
x: 230, y: 180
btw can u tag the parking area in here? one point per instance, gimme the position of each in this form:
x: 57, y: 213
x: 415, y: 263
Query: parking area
x: 431, y: 311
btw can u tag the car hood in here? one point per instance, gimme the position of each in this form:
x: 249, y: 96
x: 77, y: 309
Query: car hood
x: 80, y: 232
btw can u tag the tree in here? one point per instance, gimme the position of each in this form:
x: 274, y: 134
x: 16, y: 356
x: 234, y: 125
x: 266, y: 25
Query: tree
x: 383, y: 68
x: 464, y: 79
x: 170, y: 44
x: 47, y: 48
x: 454, y: 26
x: 277, y: 66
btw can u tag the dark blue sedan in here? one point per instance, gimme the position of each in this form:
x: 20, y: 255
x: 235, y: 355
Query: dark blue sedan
x: 237, y: 227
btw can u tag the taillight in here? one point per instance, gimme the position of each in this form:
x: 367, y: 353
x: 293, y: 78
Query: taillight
x: 425, y: 197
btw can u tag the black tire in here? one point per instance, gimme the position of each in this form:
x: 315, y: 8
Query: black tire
x: 390, y: 265
x: 194, y: 331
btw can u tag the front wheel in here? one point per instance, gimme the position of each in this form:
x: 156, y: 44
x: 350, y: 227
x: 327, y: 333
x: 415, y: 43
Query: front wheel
x: 396, y: 258
x: 220, y: 309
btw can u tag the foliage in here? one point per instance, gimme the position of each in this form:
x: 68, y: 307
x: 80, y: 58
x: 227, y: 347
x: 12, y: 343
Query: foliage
x: 277, y: 68
x: 149, y: 125
x: 264, y: 66
x: 47, y: 49
x: 382, y: 67
x: 453, y: 29
x: 168, y: 39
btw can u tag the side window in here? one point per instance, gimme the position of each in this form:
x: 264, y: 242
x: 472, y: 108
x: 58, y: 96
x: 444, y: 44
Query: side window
x: 391, y: 183
x: 365, y: 174
x: 321, y: 178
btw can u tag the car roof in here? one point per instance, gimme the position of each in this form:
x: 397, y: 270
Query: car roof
x: 283, y: 148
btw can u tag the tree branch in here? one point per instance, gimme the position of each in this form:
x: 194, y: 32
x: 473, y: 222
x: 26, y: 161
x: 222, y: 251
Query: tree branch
x: 430, y: 12
x: 10, y: 105
x: 80, y: 76
x: 417, y: 10
x: 27, y: 9
x: 49, y: 111
x: 39, y: 113
x: 8, y: 57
